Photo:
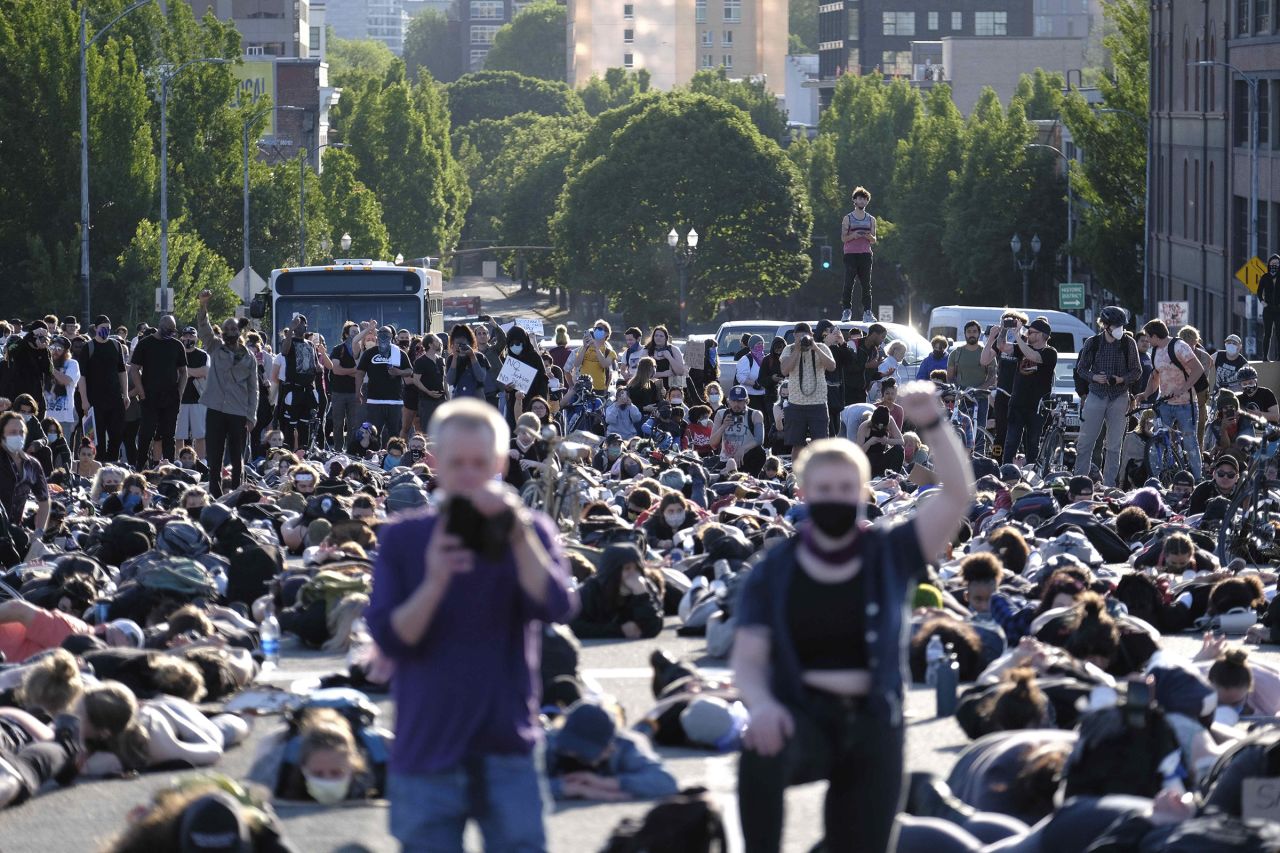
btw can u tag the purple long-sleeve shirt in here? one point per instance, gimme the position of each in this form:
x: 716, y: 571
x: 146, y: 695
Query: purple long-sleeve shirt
x: 471, y: 686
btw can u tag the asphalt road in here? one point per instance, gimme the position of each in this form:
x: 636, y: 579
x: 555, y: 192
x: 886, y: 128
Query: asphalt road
x: 85, y: 816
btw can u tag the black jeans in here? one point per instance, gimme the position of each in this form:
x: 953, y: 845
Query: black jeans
x: 1000, y: 411
x: 1024, y: 427
x: 225, y: 437
x: 110, y: 423
x: 859, y: 755
x: 1270, y: 324
x: 159, y: 423
x: 857, y: 266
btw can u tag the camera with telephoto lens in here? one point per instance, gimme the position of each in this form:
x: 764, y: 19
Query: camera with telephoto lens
x: 806, y: 341
x: 1010, y: 323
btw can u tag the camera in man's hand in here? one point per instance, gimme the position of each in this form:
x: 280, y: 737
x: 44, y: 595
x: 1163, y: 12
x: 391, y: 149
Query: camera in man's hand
x: 806, y: 342
x: 485, y: 535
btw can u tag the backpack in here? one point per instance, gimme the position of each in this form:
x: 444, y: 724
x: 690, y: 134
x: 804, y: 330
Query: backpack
x: 689, y: 822
x: 331, y: 587
x: 300, y: 364
x: 1202, y: 384
x: 373, y: 742
x: 181, y: 577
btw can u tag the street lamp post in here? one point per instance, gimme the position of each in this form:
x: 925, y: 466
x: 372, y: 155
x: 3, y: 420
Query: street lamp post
x: 302, y: 196
x: 85, y: 44
x: 1070, y: 214
x: 166, y: 76
x: 345, y: 242
x: 1025, y: 263
x: 247, y: 124
x: 683, y: 256
x: 1252, y: 83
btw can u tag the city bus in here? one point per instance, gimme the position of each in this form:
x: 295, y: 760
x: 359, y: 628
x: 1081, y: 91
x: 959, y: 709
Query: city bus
x: 402, y: 297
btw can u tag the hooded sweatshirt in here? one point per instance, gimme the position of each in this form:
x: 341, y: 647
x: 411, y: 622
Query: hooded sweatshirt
x: 606, y: 606
x: 1269, y: 284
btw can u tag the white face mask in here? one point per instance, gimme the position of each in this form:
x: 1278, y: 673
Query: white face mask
x: 327, y: 792
x: 713, y: 399
x: 1231, y: 349
x: 674, y: 519
x: 14, y: 443
x: 516, y: 349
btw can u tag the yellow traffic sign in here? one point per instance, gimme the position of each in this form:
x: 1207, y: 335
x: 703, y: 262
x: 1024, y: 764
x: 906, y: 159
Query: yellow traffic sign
x: 1249, y: 274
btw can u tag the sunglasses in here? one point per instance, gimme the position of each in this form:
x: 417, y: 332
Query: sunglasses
x: 39, y: 337
x: 1226, y: 474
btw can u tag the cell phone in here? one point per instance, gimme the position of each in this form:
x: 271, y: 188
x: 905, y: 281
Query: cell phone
x: 1011, y: 336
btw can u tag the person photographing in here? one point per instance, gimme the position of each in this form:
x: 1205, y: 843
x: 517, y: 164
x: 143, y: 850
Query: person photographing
x: 1109, y: 363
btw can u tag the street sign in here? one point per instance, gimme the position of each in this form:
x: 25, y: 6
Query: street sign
x: 1174, y: 314
x: 246, y: 286
x: 1070, y: 296
x: 164, y: 300
x: 1249, y: 274
x: 886, y: 313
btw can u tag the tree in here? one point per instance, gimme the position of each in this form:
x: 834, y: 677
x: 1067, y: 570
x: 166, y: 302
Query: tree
x: 802, y: 20
x: 530, y: 202
x: 273, y: 216
x: 498, y: 94
x: 427, y: 44
x: 748, y: 95
x: 533, y: 43
x: 928, y: 160
x: 618, y: 86
x: 352, y: 207
x: 613, y: 243
x: 866, y: 119
x: 193, y: 267
x: 1041, y: 94
x: 1112, y: 180
x: 351, y: 59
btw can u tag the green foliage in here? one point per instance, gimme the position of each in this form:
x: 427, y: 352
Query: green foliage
x: 615, y: 212
x: 193, y: 267
x: 353, y: 208
x: 1112, y: 180
x: 533, y: 43
x: 1041, y: 94
x: 802, y: 20
x: 618, y: 87
x: 748, y: 95
x: 866, y: 119
x: 427, y: 45
x: 354, y: 59
x: 498, y: 94
x: 530, y: 202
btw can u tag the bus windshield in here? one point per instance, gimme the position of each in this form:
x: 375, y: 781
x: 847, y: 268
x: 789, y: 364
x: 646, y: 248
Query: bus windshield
x: 326, y: 314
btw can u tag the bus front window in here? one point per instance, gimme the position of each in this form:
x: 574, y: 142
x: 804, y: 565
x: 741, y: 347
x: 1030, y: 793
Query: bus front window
x: 326, y: 316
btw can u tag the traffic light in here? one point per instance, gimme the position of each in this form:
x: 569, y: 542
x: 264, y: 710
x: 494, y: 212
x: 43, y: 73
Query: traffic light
x: 826, y: 257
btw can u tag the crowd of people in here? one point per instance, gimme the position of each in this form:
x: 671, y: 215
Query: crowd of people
x: 835, y: 521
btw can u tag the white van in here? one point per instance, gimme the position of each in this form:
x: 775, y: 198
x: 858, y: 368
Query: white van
x: 1069, y: 332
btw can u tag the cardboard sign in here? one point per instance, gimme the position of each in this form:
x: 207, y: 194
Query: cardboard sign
x: 695, y: 354
x: 533, y: 326
x: 1174, y: 314
x: 517, y: 373
x: 1260, y: 798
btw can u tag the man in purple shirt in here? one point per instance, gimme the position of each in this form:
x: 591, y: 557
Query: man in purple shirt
x: 464, y: 632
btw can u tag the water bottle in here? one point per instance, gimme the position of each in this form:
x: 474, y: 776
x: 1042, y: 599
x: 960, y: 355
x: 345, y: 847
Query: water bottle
x: 361, y: 645
x: 948, y: 680
x: 933, y: 655
x: 269, y: 634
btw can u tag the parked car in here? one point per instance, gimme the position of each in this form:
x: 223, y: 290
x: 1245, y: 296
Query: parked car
x: 1069, y: 332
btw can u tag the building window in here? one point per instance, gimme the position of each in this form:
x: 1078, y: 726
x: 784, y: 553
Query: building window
x: 708, y: 60
x: 1242, y: 17
x: 933, y: 20
x: 477, y: 59
x: 486, y: 10
x: 700, y: 11
x: 855, y: 25
x: 990, y: 23
x: 314, y: 37
x: 1044, y: 26
x: 1240, y: 113
x: 1262, y: 16
x: 483, y: 33
x: 899, y: 23
x: 727, y: 61
x: 1186, y: 198
x: 518, y: 7
x: 896, y: 63
x: 628, y: 36
x: 957, y: 21
x: 855, y: 61
x: 1208, y: 217
x: 628, y: 60
x: 628, y: 10
x: 1195, y: 203
x: 732, y: 11
x: 1264, y: 113
x: 708, y: 38
x: 728, y: 39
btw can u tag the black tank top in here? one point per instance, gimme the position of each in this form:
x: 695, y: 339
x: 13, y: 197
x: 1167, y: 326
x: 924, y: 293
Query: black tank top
x: 827, y: 622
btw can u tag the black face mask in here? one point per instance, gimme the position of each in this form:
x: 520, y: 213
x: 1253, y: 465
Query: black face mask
x: 833, y: 518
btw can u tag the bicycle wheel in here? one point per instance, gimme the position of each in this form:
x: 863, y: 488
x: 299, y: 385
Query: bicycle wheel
x: 1050, y: 453
x: 1233, y: 532
x: 983, y: 440
x: 533, y: 494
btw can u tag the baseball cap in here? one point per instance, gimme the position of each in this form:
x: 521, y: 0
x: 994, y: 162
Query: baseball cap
x: 1231, y: 339
x: 588, y: 730
x: 738, y: 392
x: 188, y: 330
x: 1040, y: 324
x: 129, y: 629
x: 69, y: 319
x: 1009, y: 473
x: 1079, y: 485
x: 706, y: 720
x: 1184, y: 477
x: 214, y: 824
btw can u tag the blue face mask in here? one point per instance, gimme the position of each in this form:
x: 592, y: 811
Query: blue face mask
x: 516, y: 349
x: 598, y: 334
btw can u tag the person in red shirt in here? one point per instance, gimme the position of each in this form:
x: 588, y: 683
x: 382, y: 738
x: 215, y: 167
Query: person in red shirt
x: 26, y: 630
x: 697, y: 434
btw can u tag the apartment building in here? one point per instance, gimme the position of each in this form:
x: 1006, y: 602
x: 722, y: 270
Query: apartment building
x: 266, y: 27
x: 381, y: 20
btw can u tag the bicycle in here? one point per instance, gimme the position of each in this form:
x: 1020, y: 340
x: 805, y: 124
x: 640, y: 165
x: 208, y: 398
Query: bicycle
x: 1166, y: 454
x: 967, y: 404
x: 1250, y: 528
x: 563, y: 497
x: 1051, y: 457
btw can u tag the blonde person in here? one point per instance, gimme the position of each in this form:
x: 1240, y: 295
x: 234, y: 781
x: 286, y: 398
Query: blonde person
x: 715, y: 397
x: 107, y: 482
x: 595, y: 358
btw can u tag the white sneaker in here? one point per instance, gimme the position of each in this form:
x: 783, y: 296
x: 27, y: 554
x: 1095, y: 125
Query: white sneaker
x: 846, y: 316
x: 868, y: 317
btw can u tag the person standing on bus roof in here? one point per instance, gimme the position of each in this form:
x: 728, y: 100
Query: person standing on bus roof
x: 230, y: 395
x: 384, y: 365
